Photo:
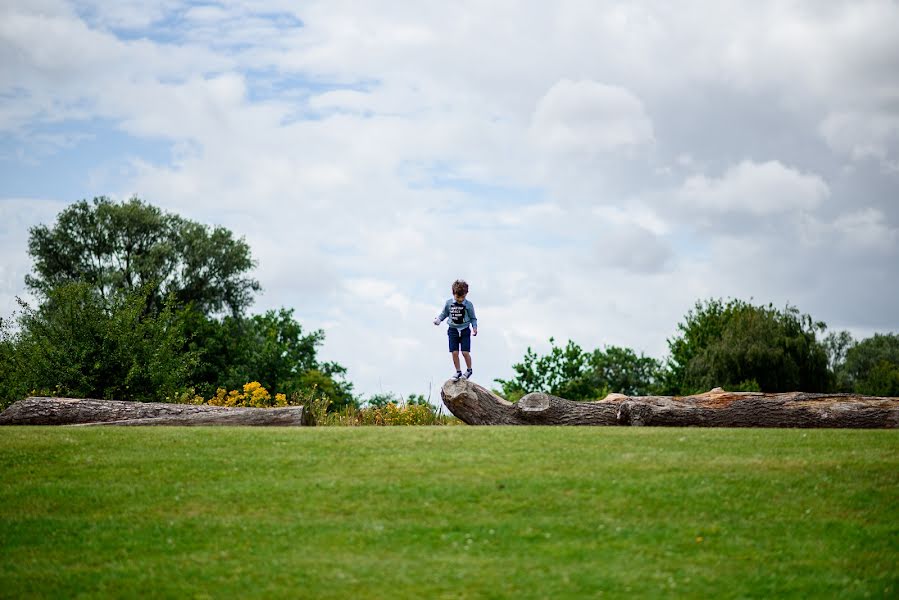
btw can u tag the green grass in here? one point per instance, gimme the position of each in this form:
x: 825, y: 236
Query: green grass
x: 432, y: 512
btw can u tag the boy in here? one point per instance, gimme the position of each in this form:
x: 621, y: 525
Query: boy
x: 461, y: 314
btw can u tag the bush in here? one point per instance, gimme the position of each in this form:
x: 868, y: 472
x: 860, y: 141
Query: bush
x: 872, y: 366
x: 405, y: 414
x: 79, y: 344
x: 736, y: 344
x: 253, y: 395
x: 572, y: 373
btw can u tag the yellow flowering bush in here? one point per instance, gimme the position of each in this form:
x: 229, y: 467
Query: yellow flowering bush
x: 253, y: 395
x: 318, y: 406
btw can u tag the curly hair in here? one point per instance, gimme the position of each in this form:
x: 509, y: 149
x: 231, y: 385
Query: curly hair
x: 460, y: 287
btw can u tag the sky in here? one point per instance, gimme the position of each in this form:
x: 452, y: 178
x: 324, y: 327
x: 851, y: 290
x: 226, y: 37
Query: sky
x: 592, y: 169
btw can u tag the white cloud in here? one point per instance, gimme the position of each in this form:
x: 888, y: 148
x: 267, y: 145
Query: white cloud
x: 588, y: 117
x: 758, y: 189
x: 862, y: 135
x: 864, y: 232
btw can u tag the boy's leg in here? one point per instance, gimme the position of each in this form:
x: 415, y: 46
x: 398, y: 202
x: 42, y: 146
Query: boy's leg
x: 453, y: 335
x: 456, y: 360
x: 467, y: 357
x: 465, y: 343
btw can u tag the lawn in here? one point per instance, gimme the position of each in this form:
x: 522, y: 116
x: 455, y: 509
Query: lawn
x: 433, y: 512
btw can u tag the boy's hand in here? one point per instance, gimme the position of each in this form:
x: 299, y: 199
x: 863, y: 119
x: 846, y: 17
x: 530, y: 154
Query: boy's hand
x: 436, y: 321
x: 474, y: 331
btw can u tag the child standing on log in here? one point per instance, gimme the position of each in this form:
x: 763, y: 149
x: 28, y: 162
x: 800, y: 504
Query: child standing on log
x: 461, y: 315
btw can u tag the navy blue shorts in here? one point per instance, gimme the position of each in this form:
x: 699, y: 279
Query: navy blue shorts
x: 459, y: 338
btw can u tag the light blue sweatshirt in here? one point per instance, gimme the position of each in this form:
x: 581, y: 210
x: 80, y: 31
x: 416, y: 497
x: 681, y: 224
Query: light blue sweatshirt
x: 460, y: 315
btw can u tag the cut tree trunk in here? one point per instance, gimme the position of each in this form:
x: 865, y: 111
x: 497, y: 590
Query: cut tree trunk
x: 75, y: 411
x: 476, y: 405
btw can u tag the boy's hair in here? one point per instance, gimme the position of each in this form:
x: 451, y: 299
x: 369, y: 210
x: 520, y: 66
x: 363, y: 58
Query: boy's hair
x: 460, y: 288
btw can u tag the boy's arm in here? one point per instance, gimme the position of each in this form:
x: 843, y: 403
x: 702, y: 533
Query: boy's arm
x: 443, y: 314
x: 474, y: 319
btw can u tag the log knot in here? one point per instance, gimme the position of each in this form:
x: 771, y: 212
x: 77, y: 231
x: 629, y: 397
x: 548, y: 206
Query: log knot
x: 534, y: 403
x: 633, y: 413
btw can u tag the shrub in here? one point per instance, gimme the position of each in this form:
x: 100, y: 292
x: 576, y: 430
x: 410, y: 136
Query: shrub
x: 405, y: 414
x: 79, y: 344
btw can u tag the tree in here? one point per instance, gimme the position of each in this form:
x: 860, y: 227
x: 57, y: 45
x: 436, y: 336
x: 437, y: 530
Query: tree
x: 560, y: 371
x: 77, y: 344
x: 11, y: 386
x: 125, y: 247
x: 622, y: 371
x: 271, y: 348
x: 572, y: 373
x: 738, y: 346
x: 382, y: 399
x: 871, y: 367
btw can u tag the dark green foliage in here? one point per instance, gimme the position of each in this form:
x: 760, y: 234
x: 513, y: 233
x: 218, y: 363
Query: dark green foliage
x: 620, y: 370
x: 78, y: 344
x: 736, y: 345
x: 140, y: 304
x: 11, y: 386
x: 270, y: 348
x: 572, y: 373
x: 872, y: 366
x: 383, y: 399
x: 417, y: 400
x: 837, y: 344
x: 125, y: 247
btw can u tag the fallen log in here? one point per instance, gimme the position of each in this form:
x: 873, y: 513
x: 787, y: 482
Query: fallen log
x: 77, y: 411
x: 477, y: 405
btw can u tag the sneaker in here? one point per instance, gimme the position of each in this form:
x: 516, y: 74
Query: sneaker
x: 467, y: 374
x: 457, y: 376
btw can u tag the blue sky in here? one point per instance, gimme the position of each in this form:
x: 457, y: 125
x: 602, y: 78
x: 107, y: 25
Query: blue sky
x: 592, y: 168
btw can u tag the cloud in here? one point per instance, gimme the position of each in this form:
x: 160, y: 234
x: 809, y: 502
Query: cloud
x: 588, y: 117
x: 864, y: 232
x: 758, y: 189
x: 862, y: 135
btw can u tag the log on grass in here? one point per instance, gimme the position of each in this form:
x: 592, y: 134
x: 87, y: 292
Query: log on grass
x: 77, y: 411
x: 476, y: 405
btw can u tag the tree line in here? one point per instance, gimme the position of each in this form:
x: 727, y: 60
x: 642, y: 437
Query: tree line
x: 731, y: 344
x: 134, y: 303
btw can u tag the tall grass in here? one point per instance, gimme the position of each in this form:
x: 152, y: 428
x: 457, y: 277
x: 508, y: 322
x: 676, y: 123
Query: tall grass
x: 389, y: 414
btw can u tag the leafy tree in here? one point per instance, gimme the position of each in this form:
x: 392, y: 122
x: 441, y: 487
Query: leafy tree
x: 740, y: 346
x: 382, y: 399
x: 125, y: 247
x: 11, y: 386
x: 184, y: 272
x: 872, y: 366
x: 572, y: 373
x: 558, y: 373
x: 417, y: 400
x: 837, y: 344
x: 622, y: 371
x: 270, y: 348
x: 80, y: 345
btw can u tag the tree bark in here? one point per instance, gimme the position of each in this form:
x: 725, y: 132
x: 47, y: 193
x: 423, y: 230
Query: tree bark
x: 75, y: 411
x: 476, y: 405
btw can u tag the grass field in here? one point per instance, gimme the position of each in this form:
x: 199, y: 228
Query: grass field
x: 448, y: 512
